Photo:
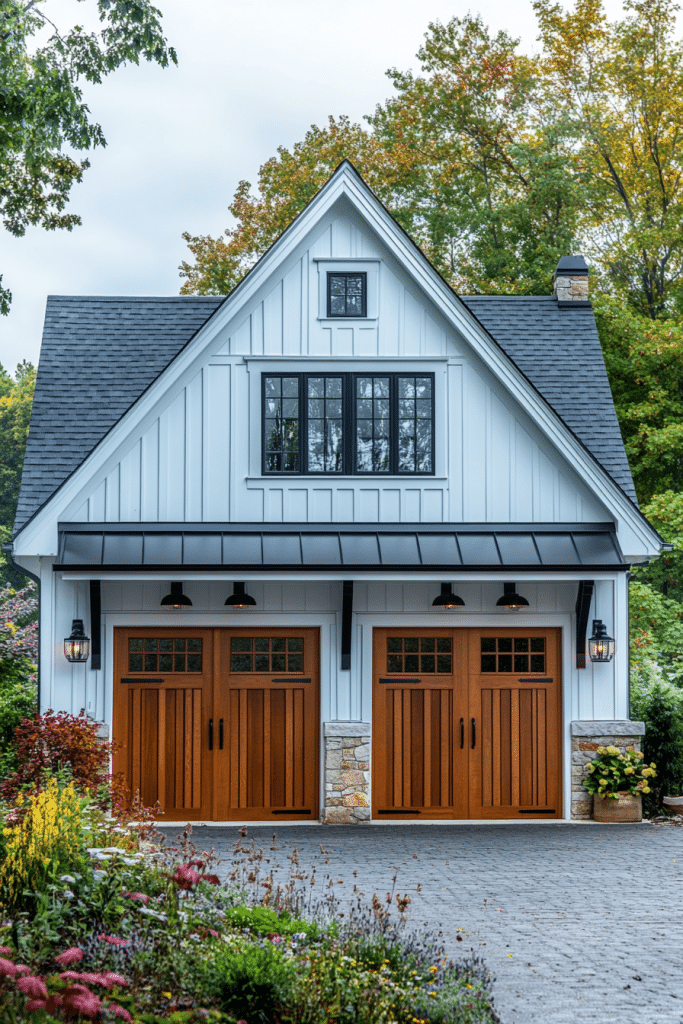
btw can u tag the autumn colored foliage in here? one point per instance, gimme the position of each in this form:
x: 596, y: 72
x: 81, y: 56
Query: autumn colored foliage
x: 53, y: 741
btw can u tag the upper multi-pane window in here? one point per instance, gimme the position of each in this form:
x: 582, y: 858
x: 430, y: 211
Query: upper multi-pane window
x: 348, y: 423
x: 347, y: 294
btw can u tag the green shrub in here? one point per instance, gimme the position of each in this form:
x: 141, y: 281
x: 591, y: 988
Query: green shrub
x: 266, y: 921
x: 18, y: 693
x: 660, y: 706
x: 252, y: 982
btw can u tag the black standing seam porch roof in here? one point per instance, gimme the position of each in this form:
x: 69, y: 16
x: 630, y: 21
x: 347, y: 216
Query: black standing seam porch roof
x: 351, y: 547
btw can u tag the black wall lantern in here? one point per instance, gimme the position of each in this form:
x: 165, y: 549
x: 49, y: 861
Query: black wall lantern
x: 176, y: 599
x: 239, y: 597
x: 511, y: 600
x: 447, y: 599
x: 600, y: 645
x: 77, y: 646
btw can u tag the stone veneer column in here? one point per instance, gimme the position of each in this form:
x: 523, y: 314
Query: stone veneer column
x: 586, y: 738
x: 347, y: 773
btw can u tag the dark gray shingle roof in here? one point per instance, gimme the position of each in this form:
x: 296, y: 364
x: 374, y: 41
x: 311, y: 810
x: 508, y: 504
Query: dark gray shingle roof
x: 100, y: 354
x: 558, y: 349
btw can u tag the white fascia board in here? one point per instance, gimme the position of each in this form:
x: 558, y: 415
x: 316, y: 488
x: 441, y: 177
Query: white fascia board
x: 39, y: 536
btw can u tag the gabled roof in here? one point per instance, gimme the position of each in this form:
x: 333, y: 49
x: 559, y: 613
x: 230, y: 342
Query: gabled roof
x: 100, y: 354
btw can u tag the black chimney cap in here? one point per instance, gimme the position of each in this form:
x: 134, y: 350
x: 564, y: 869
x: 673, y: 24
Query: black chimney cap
x: 571, y: 266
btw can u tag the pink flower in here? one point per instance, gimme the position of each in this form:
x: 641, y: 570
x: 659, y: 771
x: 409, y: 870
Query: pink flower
x: 33, y: 987
x: 211, y: 879
x: 33, y: 1005
x: 185, y: 878
x: 69, y: 956
x: 106, y: 978
x: 7, y: 950
x: 135, y: 896
x: 119, y: 1011
x: 7, y: 968
x: 80, y: 998
x: 114, y: 940
x: 110, y: 979
x: 10, y: 970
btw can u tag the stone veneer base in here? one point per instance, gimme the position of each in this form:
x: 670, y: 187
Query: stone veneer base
x: 347, y: 773
x: 586, y: 738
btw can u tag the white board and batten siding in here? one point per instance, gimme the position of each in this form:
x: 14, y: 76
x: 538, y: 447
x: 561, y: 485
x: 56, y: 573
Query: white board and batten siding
x: 197, y: 456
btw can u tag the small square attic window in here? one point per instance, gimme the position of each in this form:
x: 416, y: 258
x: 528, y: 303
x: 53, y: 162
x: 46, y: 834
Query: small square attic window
x: 347, y: 294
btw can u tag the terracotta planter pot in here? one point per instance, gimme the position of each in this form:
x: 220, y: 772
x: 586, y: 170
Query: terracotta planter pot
x: 626, y: 808
x: 674, y: 803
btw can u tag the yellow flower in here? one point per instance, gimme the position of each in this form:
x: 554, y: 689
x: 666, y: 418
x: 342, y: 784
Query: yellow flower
x: 603, y: 782
x: 612, y: 750
x: 628, y: 771
x: 646, y: 789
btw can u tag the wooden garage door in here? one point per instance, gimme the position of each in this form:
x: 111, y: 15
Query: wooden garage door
x: 163, y: 694
x: 466, y: 723
x: 267, y: 710
x: 219, y: 724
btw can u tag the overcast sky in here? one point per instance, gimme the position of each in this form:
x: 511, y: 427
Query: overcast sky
x: 252, y: 75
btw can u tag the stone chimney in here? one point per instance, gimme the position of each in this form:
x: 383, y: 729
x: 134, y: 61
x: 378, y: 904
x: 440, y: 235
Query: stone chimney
x: 570, y: 281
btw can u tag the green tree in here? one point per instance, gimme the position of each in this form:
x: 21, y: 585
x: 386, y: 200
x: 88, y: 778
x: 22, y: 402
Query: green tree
x: 42, y: 110
x: 497, y: 162
x: 16, y: 398
x: 644, y: 360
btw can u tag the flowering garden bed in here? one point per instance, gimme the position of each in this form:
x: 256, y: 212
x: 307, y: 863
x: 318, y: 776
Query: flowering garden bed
x: 101, y: 921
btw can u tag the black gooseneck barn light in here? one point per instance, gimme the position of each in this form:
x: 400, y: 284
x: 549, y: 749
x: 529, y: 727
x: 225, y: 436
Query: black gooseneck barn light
x: 511, y: 600
x: 176, y: 599
x: 77, y: 646
x: 600, y: 645
x: 447, y: 599
x: 239, y: 597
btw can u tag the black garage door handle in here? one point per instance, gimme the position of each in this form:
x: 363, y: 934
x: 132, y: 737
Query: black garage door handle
x: 474, y: 734
x: 211, y: 734
x: 462, y: 733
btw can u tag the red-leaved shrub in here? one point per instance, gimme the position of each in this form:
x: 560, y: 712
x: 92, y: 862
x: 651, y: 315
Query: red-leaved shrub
x: 48, y: 742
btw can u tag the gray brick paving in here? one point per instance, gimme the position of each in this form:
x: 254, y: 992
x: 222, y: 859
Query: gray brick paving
x: 576, y: 922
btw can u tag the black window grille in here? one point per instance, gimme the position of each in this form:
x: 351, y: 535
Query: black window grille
x: 348, y: 423
x: 347, y: 294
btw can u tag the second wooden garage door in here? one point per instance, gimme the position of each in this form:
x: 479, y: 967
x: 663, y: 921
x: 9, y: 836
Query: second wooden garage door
x: 466, y: 723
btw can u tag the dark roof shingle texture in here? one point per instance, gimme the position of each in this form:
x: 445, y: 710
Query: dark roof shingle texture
x: 100, y: 354
x: 558, y: 349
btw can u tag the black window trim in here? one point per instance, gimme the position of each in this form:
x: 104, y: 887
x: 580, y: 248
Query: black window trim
x: 348, y: 421
x: 347, y: 273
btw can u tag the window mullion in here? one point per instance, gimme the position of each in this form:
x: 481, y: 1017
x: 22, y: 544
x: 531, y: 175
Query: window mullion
x: 348, y: 422
x: 393, y: 424
x: 303, y: 423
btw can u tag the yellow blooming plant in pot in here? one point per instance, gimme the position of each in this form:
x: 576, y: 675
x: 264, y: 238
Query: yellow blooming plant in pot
x: 617, y: 782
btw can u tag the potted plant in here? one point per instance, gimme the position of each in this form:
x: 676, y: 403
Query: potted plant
x: 617, y: 782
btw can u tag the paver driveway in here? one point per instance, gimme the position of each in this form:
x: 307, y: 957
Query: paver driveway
x: 576, y: 922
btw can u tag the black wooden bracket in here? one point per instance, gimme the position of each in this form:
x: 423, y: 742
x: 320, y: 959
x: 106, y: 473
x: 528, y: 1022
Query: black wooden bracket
x: 347, y: 609
x: 583, y: 605
x: 95, y: 625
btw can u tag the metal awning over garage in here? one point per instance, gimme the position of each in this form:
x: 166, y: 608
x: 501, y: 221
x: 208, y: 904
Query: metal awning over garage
x: 353, y: 547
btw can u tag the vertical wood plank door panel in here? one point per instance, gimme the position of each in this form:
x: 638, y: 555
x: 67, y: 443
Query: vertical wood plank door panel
x: 515, y: 723
x: 163, y: 697
x: 267, y: 696
x: 419, y: 761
